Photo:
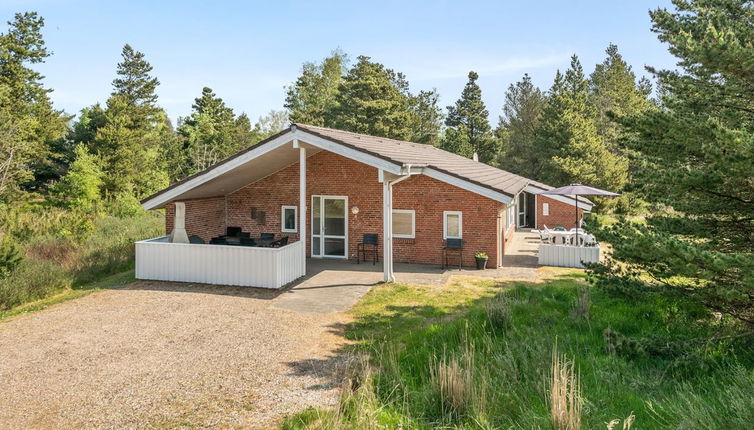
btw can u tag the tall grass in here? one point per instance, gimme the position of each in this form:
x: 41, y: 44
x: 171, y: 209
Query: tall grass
x: 58, y: 256
x: 488, y: 362
x: 565, y: 394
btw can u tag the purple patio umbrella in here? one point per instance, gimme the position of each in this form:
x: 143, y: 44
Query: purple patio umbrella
x: 579, y: 190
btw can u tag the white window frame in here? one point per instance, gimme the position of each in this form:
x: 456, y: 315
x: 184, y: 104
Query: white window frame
x: 545, y: 209
x: 445, y: 224
x: 413, y: 223
x: 282, y: 219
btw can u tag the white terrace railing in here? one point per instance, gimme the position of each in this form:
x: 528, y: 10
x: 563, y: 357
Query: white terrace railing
x: 568, y: 255
x: 159, y: 260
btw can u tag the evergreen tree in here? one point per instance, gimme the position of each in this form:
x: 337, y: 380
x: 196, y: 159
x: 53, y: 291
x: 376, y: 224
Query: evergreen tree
x: 469, y: 129
x: 517, y: 129
x: 694, y: 162
x: 426, y: 117
x: 136, y: 136
x: 134, y: 82
x: 614, y: 91
x: 312, y: 96
x: 372, y: 100
x: 568, y: 137
x: 210, y: 134
x: 30, y: 127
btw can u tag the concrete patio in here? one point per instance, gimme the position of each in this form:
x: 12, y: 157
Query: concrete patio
x: 336, y: 285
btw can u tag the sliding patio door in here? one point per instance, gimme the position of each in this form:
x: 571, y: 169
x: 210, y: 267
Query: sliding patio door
x: 329, y: 226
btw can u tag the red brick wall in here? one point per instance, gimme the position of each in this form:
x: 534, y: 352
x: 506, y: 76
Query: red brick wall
x: 560, y: 214
x: 204, y: 217
x: 331, y: 174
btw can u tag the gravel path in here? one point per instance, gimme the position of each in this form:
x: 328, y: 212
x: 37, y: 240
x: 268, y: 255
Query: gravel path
x: 160, y: 355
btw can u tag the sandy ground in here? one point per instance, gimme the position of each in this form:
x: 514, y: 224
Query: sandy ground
x: 161, y: 355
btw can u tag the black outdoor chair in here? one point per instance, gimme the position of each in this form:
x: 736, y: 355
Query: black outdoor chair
x: 279, y: 243
x: 220, y: 240
x: 267, y: 236
x: 233, y: 231
x: 368, y: 245
x: 196, y: 239
x: 452, y: 248
x: 247, y: 241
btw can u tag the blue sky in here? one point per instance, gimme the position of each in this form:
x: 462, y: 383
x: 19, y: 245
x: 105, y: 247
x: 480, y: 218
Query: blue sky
x: 248, y: 51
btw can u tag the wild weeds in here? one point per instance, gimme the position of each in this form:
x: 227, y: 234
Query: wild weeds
x: 565, y: 394
x: 499, y: 312
x: 582, y: 304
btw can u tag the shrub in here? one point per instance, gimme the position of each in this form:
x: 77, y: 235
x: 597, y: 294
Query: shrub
x: 32, y: 280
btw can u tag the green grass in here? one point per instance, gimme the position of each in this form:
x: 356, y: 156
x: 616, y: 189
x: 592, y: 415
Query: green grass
x: 478, y: 355
x: 66, y: 294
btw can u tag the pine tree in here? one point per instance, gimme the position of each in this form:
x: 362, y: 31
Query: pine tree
x: 210, y: 134
x: 136, y: 137
x: 134, y: 82
x: 312, y: 96
x: 614, y: 91
x: 568, y: 137
x: 372, y: 100
x: 469, y: 129
x: 517, y: 128
x: 30, y: 128
x: 426, y: 117
x: 694, y: 162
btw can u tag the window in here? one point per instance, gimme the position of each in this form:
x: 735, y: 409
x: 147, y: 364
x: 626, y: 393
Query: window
x: 510, y: 216
x: 289, y: 219
x: 545, y: 209
x: 452, y: 226
x: 404, y: 223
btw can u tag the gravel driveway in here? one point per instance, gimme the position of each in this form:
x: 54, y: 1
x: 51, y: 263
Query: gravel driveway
x: 161, y: 355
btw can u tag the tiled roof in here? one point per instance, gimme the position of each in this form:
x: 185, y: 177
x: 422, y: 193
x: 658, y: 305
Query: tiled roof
x: 402, y: 152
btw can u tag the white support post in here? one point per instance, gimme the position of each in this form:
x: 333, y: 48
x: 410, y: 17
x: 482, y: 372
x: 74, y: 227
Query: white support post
x: 387, y: 234
x: 302, y: 202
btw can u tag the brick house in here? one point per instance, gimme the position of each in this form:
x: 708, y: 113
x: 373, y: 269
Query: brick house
x: 331, y: 187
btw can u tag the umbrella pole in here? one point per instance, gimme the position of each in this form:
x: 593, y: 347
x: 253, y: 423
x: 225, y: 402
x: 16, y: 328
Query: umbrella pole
x: 577, y: 220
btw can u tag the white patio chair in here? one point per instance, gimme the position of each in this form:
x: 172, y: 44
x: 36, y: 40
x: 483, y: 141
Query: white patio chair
x: 544, y: 235
x: 590, y: 240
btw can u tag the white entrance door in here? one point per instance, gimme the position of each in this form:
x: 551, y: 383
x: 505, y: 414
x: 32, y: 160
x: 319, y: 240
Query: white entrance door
x: 330, y: 226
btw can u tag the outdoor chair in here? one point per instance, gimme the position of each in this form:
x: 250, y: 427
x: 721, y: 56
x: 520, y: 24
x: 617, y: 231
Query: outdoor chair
x: 590, y: 240
x: 196, y: 239
x: 267, y: 236
x: 367, y: 245
x: 279, y: 243
x: 452, y: 248
x: 233, y: 231
x: 219, y: 240
x: 544, y: 235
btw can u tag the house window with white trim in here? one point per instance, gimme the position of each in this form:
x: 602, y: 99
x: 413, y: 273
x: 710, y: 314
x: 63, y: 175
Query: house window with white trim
x: 545, y: 209
x: 289, y: 219
x: 404, y: 223
x: 452, y: 225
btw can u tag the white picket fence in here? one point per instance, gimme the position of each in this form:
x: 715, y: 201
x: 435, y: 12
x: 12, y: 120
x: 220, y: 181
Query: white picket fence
x: 159, y: 260
x: 568, y: 256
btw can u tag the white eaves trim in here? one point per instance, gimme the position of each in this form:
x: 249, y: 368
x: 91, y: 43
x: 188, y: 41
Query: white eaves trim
x: 565, y: 199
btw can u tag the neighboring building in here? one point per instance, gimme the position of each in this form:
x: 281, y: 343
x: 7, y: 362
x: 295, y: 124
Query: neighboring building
x: 352, y: 184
